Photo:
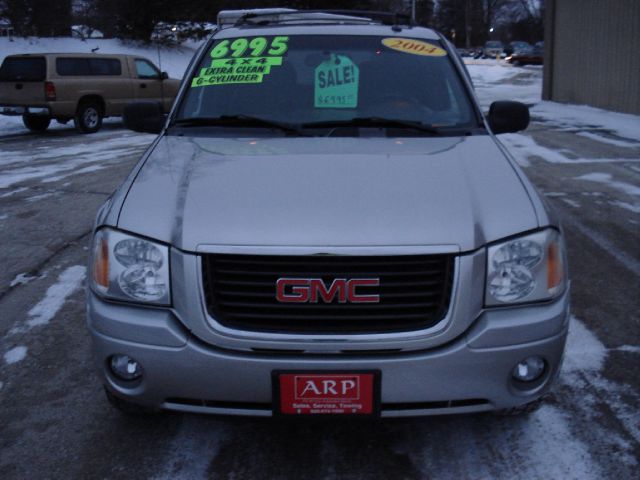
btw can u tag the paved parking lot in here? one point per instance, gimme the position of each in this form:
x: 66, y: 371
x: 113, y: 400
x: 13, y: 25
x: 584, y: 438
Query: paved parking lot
x: 55, y: 422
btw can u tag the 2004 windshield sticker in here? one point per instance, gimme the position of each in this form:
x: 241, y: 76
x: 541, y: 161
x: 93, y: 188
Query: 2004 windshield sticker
x: 242, y: 60
x: 413, y: 46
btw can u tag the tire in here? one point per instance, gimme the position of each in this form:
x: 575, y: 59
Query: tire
x: 88, y: 118
x: 525, y: 409
x: 36, y: 123
x: 128, y: 408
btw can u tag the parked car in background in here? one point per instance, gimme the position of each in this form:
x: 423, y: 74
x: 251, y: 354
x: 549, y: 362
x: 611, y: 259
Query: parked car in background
x: 516, y: 46
x: 527, y: 56
x: 493, y: 48
x: 79, y: 86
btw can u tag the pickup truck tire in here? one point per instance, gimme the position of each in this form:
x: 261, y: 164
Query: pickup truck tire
x: 127, y: 408
x: 36, y: 123
x: 88, y: 118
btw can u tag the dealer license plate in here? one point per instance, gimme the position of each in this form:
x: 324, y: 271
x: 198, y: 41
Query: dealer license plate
x: 340, y: 393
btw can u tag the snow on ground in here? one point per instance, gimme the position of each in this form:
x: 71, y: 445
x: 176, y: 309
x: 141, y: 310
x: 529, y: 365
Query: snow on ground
x: 626, y: 206
x: 496, y: 80
x: 15, y: 355
x: 523, y: 147
x: 21, y: 279
x: 606, y: 179
x: 69, y: 281
x: 191, y: 450
x: 584, y: 352
x: 575, y: 117
x: 609, y: 141
x: 79, y: 158
x: 41, y: 314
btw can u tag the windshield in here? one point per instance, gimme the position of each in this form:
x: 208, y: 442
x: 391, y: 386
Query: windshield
x: 493, y: 45
x: 304, y: 80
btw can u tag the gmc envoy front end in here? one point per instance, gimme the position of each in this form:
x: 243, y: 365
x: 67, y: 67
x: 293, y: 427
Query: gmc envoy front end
x: 327, y: 225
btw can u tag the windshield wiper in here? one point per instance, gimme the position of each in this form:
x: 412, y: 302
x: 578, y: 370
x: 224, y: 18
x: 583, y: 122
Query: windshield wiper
x: 375, y: 122
x: 236, y: 121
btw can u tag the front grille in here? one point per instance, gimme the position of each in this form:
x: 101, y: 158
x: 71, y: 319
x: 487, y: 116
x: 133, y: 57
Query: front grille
x: 415, y: 290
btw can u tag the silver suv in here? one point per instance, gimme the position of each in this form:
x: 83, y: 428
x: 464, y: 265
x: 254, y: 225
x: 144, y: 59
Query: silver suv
x: 327, y: 225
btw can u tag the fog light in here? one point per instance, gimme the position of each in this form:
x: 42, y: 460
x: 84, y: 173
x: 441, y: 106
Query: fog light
x: 125, y: 367
x: 529, y: 369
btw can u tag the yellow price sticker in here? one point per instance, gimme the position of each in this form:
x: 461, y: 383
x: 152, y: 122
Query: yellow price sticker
x: 415, y: 47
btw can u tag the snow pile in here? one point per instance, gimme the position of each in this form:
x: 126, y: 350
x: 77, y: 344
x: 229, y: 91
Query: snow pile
x: 491, y: 72
x: 584, y: 352
x: 21, y: 279
x: 41, y: 314
x: 15, y: 355
x: 173, y: 60
x: 522, y: 147
x: 68, y: 282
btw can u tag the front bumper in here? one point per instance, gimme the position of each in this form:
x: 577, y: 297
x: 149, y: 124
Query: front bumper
x: 471, y: 373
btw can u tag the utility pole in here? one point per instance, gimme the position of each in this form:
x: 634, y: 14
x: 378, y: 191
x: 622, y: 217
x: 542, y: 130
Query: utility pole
x: 413, y: 10
x: 467, y: 28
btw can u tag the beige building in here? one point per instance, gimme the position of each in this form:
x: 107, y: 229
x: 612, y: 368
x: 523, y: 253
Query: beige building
x: 592, y: 53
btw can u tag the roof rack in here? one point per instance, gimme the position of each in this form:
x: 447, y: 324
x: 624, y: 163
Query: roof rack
x: 266, y: 16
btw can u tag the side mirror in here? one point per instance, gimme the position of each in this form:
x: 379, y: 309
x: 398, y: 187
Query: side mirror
x: 164, y: 76
x: 146, y: 117
x: 508, y: 117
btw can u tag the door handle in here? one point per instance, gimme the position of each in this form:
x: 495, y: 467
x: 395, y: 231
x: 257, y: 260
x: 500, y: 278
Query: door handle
x: 143, y: 85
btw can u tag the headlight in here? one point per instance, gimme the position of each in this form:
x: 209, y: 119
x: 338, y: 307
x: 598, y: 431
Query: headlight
x: 526, y: 269
x: 129, y: 268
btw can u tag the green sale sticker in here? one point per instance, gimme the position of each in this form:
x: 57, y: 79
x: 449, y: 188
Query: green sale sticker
x: 336, y: 83
x: 236, y: 70
x: 242, y: 60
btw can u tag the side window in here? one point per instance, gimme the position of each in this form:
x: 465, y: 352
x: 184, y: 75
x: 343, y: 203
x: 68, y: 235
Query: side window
x: 105, y: 66
x: 144, y: 69
x: 88, y: 66
x: 73, y: 66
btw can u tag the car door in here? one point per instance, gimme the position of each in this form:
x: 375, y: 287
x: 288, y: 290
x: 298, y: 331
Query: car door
x: 147, y: 80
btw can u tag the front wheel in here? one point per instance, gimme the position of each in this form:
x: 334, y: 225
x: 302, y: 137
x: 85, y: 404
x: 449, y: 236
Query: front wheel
x: 88, y: 118
x: 36, y: 123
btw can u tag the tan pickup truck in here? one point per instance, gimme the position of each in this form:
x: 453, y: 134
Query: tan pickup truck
x: 82, y: 87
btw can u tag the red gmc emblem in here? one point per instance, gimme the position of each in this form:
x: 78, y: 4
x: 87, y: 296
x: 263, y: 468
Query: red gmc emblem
x: 312, y: 290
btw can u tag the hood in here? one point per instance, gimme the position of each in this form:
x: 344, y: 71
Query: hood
x: 455, y: 191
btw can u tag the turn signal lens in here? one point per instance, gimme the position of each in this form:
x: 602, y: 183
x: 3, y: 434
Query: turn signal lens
x: 555, y: 270
x: 101, y: 262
